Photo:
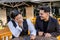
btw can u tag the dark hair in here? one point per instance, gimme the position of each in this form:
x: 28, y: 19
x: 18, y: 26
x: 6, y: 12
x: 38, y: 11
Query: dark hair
x: 14, y: 13
x: 45, y: 8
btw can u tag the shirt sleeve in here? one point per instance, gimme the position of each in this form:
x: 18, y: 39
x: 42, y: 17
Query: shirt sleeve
x: 31, y: 27
x: 15, y: 31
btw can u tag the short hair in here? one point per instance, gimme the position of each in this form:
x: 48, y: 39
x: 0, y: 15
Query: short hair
x: 14, y: 13
x: 45, y: 8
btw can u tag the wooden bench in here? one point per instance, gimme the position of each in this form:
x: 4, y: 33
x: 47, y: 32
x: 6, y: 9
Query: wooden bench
x: 5, y: 34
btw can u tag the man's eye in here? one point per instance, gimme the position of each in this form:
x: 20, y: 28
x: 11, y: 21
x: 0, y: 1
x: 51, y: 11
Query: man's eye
x: 41, y: 14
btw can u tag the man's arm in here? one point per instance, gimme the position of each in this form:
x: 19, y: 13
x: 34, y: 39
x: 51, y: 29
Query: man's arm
x: 31, y: 27
x: 36, y: 26
x: 57, y: 30
x: 15, y: 31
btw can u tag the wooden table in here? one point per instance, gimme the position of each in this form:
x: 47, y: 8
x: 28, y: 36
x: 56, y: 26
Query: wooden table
x: 5, y: 34
x: 37, y: 38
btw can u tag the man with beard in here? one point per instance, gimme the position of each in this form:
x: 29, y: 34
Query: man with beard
x: 46, y: 26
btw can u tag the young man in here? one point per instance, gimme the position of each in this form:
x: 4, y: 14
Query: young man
x: 46, y: 25
x: 19, y: 26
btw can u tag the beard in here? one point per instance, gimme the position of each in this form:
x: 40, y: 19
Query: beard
x: 42, y: 18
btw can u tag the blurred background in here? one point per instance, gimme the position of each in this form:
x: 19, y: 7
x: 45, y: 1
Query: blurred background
x: 28, y: 8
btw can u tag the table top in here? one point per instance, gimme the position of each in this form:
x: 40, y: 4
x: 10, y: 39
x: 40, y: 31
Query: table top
x: 22, y: 38
x: 37, y: 38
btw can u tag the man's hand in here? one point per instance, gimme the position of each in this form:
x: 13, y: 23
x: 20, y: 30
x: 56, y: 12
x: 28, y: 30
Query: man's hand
x: 20, y: 24
x: 19, y: 21
x: 32, y: 37
x: 40, y: 33
x: 47, y: 35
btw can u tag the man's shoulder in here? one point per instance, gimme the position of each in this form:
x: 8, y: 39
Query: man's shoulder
x: 9, y: 22
x: 26, y: 20
x: 53, y: 19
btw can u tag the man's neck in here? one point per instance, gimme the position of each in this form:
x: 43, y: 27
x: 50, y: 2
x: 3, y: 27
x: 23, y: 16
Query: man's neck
x: 47, y: 19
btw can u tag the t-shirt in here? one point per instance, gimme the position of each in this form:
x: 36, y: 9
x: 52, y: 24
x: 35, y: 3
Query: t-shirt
x: 45, y: 25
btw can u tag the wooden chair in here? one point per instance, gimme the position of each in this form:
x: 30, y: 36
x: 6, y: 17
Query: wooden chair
x: 58, y: 20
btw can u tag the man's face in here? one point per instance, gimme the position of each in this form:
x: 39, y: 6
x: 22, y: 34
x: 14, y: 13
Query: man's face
x: 19, y: 18
x: 43, y: 15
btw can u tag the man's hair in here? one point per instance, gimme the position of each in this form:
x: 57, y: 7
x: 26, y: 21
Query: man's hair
x: 45, y: 8
x: 14, y: 13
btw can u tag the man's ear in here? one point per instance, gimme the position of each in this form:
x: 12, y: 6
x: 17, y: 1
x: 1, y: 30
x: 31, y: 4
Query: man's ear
x: 15, y: 19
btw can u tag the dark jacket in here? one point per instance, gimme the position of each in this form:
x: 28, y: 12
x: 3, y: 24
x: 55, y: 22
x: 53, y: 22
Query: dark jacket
x: 53, y: 26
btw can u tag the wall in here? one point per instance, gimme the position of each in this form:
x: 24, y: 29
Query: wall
x: 3, y: 16
x: 30, y: 12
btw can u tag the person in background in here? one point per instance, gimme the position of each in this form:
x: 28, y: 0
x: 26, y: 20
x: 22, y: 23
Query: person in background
x: 19, y: 26
x: 45, y: 25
